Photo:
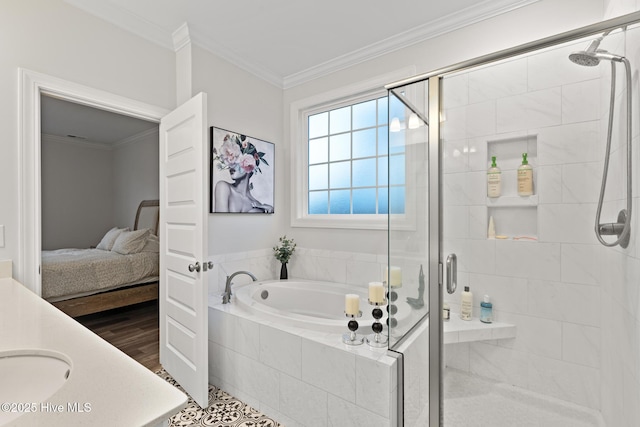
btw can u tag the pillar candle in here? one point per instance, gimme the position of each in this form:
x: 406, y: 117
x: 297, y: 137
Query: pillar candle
x: 393, y: 278
x: 376, y: 292
x: 352, y: 304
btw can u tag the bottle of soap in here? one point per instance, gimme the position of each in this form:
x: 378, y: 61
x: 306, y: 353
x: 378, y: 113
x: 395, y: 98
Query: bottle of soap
x: 446, y: 311
x: 494, y: 179
x: 466, y: 305
x: 486, y: 310
x: 525, y: 177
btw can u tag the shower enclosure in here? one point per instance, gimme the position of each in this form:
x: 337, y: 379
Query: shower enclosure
x: 564, y: 344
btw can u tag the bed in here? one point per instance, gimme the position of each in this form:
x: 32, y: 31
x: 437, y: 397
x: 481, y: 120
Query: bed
x: 123, y: 269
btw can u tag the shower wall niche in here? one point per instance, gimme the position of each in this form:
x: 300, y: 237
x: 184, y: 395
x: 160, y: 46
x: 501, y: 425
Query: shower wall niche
x: 515, y: 217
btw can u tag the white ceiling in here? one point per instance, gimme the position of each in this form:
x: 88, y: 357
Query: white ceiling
x: 287, y: 42
x: 87, y: 124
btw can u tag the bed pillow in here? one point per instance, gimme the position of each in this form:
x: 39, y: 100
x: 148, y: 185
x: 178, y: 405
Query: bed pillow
x: 109, y: 239
x: 131, y: 242
x: 152, y: 244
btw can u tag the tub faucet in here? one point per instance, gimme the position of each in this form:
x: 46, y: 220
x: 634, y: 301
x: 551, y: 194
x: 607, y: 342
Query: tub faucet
x: 226, y: 297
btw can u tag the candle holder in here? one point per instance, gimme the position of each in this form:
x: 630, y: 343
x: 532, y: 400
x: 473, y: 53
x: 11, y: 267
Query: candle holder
x: 376, y: 339
x: 352, y: 338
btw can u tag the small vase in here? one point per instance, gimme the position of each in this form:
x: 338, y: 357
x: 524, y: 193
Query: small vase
x: 283, y: 271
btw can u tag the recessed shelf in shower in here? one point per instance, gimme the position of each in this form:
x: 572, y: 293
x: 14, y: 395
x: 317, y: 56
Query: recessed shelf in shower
x: 513, y: 215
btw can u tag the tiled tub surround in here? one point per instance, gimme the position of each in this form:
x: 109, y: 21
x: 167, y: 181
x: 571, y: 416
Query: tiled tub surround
x: 574, y: 302
x: 300, y: 377
x: 352, y: 268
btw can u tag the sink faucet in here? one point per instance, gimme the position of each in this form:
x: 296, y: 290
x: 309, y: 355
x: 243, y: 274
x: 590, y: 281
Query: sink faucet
x: 226, y: 297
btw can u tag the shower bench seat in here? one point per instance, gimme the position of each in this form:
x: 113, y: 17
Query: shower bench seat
x: 457, y: 330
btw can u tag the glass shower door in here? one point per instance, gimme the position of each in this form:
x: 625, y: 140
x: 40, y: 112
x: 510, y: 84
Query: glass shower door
x: 413, y: 259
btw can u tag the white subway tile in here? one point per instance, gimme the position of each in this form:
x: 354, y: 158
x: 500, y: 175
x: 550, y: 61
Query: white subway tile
x: 455, y: 91
x: 566, y: 144
x: 566, y: 381
x: 580, y: 101
x: 342, y: 413
x: 581, y: 263
x: 581, y: 344
x: 534, y: 335
x: 552, y: 68
x: 330, y: 369
x: 498, y: 81
x: 567, y: 223
x: 481, y: 119
x: 303, y: 402
x: 529, y: 111
x: 581, y: 182
x: 499, y: 364
x: 373, y: 382
x: 564, y: 301
x: 549, y: 188
x: 526, y: 259
x: 281, y: 350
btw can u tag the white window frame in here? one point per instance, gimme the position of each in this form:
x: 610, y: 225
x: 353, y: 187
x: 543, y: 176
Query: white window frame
x: 300, y: 110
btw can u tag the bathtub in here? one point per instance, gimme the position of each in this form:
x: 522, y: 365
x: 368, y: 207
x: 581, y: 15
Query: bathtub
x: 310, y: 305
x: 278, y: 344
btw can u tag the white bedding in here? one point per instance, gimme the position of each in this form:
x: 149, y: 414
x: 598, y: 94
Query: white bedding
x: 71, y: 272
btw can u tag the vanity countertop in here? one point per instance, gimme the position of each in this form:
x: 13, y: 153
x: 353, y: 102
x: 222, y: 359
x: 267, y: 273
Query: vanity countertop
x: 118, y: 390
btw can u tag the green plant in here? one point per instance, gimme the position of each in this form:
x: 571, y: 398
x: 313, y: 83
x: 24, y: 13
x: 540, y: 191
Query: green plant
x: 284, y: 249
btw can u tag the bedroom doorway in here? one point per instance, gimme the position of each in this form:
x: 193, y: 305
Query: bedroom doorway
x: 33, y: 86
x: 183, y: 130
x: 87, y: 144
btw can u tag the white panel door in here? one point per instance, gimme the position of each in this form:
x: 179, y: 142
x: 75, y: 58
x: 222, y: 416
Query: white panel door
x: 183, y: 246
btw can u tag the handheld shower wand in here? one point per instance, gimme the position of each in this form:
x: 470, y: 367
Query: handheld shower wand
x: 590, y: 58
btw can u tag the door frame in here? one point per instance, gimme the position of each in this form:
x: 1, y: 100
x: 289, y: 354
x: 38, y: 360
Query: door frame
x: 31, y: 86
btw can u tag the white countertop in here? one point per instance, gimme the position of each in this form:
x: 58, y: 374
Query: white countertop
x: 120, y: 391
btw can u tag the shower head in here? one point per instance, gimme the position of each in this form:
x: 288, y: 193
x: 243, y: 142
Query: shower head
x: 591, y: 59
x: 584, y: 58
x: 592, y: 55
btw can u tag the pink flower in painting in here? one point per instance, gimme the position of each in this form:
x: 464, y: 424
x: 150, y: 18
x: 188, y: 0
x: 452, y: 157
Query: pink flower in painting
x: 229, y: 152
x: 247, y: 163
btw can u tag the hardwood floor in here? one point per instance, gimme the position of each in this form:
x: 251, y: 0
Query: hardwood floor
x: 133, y: 329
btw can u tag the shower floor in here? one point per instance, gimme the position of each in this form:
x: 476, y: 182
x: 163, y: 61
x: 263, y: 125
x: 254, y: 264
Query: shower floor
x: 471, y: 401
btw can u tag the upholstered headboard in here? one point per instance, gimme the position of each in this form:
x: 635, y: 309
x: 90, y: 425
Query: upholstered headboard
x: 148, y: 215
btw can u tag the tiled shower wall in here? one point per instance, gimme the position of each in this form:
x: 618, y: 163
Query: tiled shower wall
x: 620, y: 297
x: 549, y: 288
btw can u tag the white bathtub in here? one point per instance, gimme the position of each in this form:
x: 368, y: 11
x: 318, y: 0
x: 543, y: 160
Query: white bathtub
x: 312, y: 305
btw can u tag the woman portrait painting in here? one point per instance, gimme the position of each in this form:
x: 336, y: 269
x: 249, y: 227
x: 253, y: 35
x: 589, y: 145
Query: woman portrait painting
x: 242, y: 176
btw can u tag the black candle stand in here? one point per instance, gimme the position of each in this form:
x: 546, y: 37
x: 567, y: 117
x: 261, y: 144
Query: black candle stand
x: 352, y: 338
x: 376, y: 339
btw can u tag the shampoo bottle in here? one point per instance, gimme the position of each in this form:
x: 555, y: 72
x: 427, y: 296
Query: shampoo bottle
x: 494, y: 177
x: 525, y: 177
x: 486, y: 310
x: 466, y: 305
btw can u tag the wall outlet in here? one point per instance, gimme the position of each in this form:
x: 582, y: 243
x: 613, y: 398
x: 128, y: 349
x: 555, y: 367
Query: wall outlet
x: 1, y: 236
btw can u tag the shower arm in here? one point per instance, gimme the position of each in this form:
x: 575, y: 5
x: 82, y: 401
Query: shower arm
x: 623, y: 226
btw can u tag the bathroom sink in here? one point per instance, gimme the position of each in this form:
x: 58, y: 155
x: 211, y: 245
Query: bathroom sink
x: 29, y: 378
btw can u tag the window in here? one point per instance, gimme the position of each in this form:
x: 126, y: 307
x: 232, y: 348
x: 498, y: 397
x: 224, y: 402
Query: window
x: 341, y: 157
x: 349, y: 159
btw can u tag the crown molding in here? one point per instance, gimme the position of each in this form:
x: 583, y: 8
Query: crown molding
x: 235, y: 59
x: 181, y: 37
x: 471, y: 15
x: 174, y: 41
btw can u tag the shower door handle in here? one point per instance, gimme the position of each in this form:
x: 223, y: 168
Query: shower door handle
x: 452, y: 273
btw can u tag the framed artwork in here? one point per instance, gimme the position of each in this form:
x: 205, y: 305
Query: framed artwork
x: 242, y: 173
